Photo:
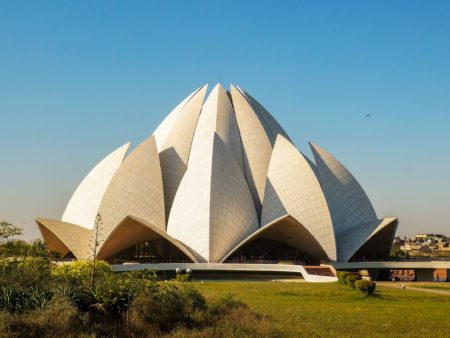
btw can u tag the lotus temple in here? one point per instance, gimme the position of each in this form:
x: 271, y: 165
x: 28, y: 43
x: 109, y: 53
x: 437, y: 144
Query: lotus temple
x: 220, y: 181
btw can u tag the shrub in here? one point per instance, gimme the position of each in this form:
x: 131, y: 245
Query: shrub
x: 165, y: 307
x: 80, y: 295
x: 24, y: 283
x: 243, y: 322
x: 184, y: 277
x: 79, y: 272
x: 351, y: 279
x: 58, y: 319
x: 225, y: 304
x: 366, y: 287
x: 111, y: 294
x: 6, y: 319
x: 11, y: 299
x: 145, y: 274
x: 229, y: 317
x: 15, y: 300
x: 341, y: 275
x: 25, y: 272
x: 115, y: 292
x: 20, y: 248
x: 193, y: 300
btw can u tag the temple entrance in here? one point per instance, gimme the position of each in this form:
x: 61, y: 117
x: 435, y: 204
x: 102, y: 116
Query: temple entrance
x: 264, y: 250
x: 154, y: 251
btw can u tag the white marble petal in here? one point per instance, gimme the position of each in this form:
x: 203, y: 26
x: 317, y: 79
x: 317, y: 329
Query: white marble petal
x: 83, y: 206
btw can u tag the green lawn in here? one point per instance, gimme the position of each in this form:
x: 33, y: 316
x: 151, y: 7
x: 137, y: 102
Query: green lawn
x: 437, y: 286
x: 334, y: 310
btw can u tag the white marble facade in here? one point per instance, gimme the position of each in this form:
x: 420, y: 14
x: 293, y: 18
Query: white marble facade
x: 215, y: 175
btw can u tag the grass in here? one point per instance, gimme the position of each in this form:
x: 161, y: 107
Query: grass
x: 334, y: 310
x: 437, y: 286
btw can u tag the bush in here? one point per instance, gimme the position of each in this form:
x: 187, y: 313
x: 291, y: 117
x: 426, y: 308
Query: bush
x: 193, y: 300
x: 366, y: 287
x: 5, y: 322
x: 58, y: 319
x: 351, y: 279
x: 11, y: 299
x: 165, y: 307
x: 40, y: 299
x: 342, y: 276
x: 224, y: 305
x: 15, y: 300
x: 229, y: 317
x: 19, y: 248
x: 146, y: 274
x: 25, y: 272
x: 79, y: 272
x: 114, y: 292
x: 24, y: 283
x: 111, y: 293
x: 184, y: 277
x: 241, y: 321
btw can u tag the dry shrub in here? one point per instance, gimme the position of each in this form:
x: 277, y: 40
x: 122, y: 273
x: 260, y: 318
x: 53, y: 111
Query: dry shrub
x: 244, y: 322
x: 58, y: 319
x: 166, y: 307
x: 5, y: 321
x: 231, y: 318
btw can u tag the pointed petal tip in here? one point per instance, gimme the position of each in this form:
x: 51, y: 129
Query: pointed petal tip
x: 218, y: 86
x: 315, y: 147
x: 235, y: 89
x: 42, y: 220
x: 202, y: 91
x: 125, y: 146
x: 202, y: 88
x: 280, y: 138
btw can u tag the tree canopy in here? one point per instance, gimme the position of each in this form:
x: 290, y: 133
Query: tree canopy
x: 8, y: 230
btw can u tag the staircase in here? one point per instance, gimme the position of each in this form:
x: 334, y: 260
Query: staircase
x: 320, y: 271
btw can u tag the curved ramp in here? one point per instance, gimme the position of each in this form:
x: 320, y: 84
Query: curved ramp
x: 270, y: 268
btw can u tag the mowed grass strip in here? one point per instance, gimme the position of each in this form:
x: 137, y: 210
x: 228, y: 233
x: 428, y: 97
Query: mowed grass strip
x: 335, y: 310
x: 438, y: 286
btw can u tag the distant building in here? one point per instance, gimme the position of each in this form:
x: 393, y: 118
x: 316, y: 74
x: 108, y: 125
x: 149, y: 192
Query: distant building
x: 425, y: 244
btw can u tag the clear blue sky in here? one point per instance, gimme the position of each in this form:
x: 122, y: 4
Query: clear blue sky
x: 80, y: 78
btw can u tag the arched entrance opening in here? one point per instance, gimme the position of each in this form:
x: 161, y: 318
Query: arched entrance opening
x: 152, y: 251
x: 264, y: 250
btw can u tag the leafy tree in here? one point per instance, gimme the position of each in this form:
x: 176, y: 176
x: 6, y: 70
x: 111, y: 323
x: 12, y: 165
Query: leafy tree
x: 38, y: 249
x: 8, y: 230
x: 397, y: 252
x: 25, y: 272
x: 20, y: 248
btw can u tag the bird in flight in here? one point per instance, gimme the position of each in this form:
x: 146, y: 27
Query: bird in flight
x: 368, y: 115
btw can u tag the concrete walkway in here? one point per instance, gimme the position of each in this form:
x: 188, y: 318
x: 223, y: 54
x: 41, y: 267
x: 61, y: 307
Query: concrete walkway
x: 230, y: 267
x: 409, y: 286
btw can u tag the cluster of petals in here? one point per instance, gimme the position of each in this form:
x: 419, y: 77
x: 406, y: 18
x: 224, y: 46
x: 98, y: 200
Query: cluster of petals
x: 215, y: 175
